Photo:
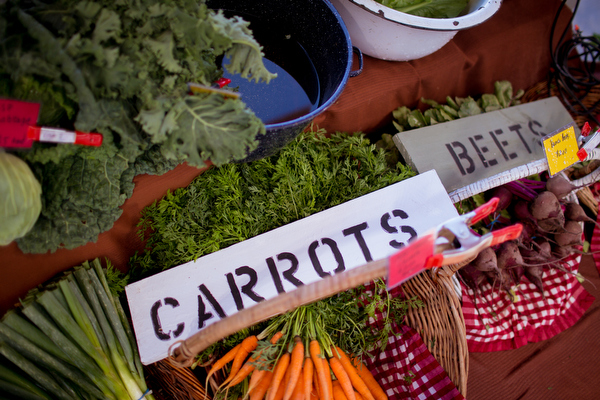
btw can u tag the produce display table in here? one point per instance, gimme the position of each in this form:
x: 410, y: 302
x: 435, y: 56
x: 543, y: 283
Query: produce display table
x: 513, y: 45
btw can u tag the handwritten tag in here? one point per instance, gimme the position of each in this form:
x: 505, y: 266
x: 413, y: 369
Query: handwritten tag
x: 15, y: 117
x: 410, y: 260
x: 561, y: 148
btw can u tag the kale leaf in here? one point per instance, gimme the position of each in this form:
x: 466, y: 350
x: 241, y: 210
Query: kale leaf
x: 121, y: 68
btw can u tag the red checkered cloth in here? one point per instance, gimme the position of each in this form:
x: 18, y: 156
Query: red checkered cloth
x: 595, y: 241
x: 501, y: 324
x: 406, y: 369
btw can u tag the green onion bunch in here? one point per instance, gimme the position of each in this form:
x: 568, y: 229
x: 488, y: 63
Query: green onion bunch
x: 70, y: 339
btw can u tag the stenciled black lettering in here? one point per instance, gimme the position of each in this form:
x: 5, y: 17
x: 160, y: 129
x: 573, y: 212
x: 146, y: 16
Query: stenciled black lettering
x: 275, y: 275
x: 312, y: 253
x: 532, y: 125
x: 247, y: 289
x: 481, y: 150
x: 156, y: 324
x: 463, y: 155
x: 235, y: 292
x: 288, y: 274
x: 203, y: 315
x: 517, y: 129
x: 356, y: 230
x: 213, y: 302
x: 501, y: 144
x: 385, y: 224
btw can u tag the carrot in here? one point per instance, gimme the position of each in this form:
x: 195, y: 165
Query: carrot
x: 316, y: 384
x: 263, y: 385
x: 338, y: 392
x: 342, y: 378
x: 221, y: 362
x: 282, y: 386
x: 295, y: 366
x: 247, y: 346
x: 250, y: 365
x: 275, y: 338
x: 357, y: 382
x: 307, y: 377
x: 315, y: 355
x: 255, y: 379
x: 298, y: 393
x: 369, y: 380
x: 328, y: 377
x: 278, y: 375
x: 358, y: 395
x: 314, y: 393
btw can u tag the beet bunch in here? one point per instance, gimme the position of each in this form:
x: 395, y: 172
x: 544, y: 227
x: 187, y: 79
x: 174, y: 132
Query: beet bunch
x: 552, y: 231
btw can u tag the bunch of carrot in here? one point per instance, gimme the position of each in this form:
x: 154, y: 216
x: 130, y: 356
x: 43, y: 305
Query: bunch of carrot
x: 299, y: 371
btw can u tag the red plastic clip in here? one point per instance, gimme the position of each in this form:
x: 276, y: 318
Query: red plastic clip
x: 586, y: 129
x: 222, y: 82
x: 57, y: 135
x: 582, y: 154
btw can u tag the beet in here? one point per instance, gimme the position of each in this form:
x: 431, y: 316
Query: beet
x: 535, y: 276
x: 516, y: 273
x: 552, y: 225
x: 486, y: 260
x: 545, y: 205
x: 574, y: 212
x: 505, y: 282
x: 508, y: 255
x: 559, y: 186
x: 571, y: 235
x: 504, y: 195
x: 472, y: 277
x: 522, y: 213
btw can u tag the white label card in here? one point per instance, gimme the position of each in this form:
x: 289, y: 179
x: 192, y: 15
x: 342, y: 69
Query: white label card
x: 173, y: 305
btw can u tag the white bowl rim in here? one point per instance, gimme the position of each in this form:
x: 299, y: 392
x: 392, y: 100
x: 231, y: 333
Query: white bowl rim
x: 440, y: 24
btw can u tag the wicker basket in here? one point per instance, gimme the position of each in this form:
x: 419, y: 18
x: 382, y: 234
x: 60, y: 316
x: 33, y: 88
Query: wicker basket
x: 440, y: 323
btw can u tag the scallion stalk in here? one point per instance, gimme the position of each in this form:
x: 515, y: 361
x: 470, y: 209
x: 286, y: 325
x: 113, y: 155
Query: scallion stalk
x: 36, y: 373
x: 9, y: 376
x: 34, y: 353
x: 21, y: 393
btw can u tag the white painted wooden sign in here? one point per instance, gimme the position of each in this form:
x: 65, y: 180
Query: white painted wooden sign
x: 174, y: 304
x: 474, y: 148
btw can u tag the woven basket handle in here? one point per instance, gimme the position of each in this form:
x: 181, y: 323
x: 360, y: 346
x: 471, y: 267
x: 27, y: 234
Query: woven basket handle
x: 184, y: 354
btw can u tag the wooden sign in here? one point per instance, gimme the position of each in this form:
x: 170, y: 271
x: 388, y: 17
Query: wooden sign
x: 474, y: 148
x: 173, y: 305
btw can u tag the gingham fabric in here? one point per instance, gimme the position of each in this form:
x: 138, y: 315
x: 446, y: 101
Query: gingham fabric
x: 406, y: 369
x: 595, y: 241
x: 497, y: 323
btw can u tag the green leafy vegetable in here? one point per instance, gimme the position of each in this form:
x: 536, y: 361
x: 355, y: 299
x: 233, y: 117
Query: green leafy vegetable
x: 428, y: 8
x: 234, y: 202
x: 404, y: 118
x: 70, y: 339
x: 121, y: 68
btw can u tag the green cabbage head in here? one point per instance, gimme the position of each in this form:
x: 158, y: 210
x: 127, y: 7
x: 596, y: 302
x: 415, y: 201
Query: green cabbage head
x: 20, y: 198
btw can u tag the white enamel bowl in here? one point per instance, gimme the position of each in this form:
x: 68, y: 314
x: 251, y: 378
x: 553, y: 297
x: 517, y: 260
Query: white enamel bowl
x: 384, y: 33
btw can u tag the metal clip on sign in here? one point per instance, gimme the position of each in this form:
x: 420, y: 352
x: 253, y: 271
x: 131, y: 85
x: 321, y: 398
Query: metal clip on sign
x: 462, y: 243
x: 452, y: 242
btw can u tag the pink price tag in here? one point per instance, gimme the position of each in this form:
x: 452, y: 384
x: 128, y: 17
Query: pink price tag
x: 15, y: 118
x: 410, y: 260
